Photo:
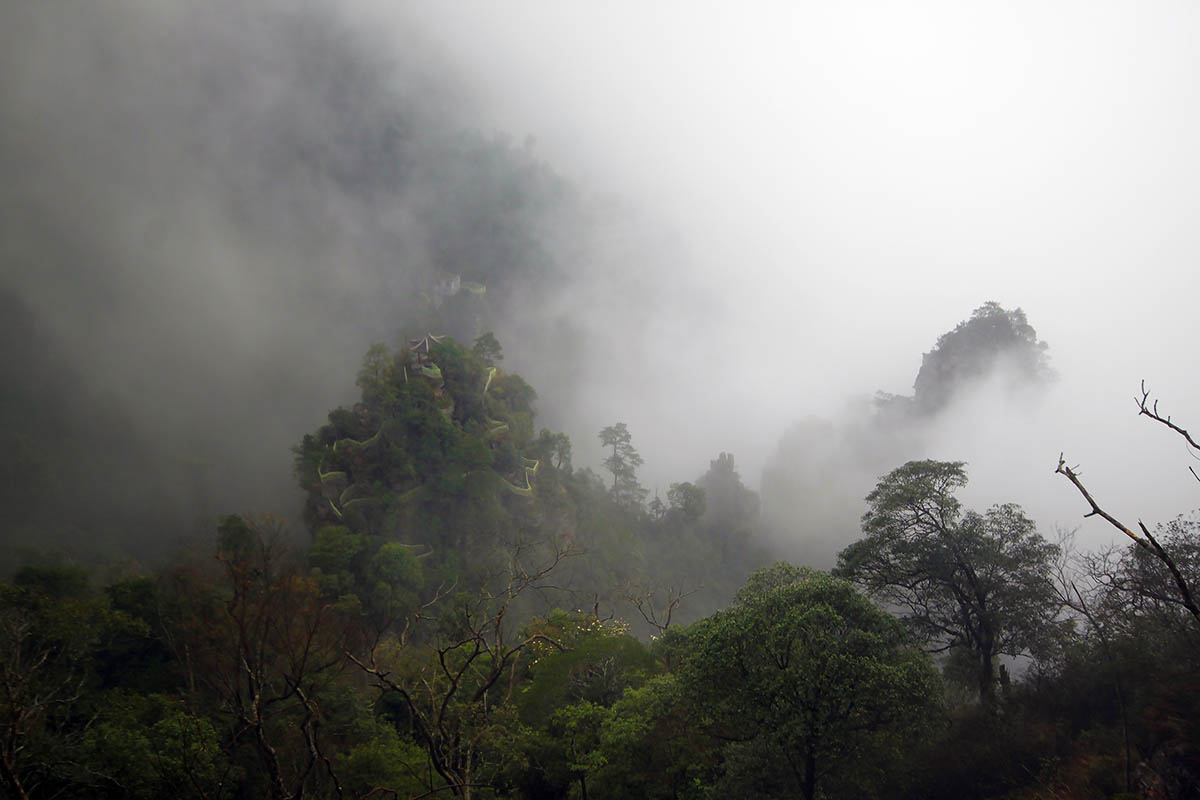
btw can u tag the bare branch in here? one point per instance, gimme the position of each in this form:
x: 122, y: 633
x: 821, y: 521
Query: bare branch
x: 1184, y: 590
x: 1151, y: 410
x: 642, y: 598
x: 1073, y: 477
x: 445, y: 685
x: 1146, y: 541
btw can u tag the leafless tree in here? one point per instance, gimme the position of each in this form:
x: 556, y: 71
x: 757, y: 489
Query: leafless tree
x: 263, y: 649
x: 657, y: 614
x: 1145, y: 540
x: 449, y: 682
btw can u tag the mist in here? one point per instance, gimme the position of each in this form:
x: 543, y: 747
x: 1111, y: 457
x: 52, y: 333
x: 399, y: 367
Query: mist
x: 850, y: 182
x: 710, y: 224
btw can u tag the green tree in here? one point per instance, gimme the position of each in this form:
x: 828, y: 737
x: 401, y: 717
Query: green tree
x: 1141, y: 585
x: 968, y: 584
x: 487, y: 349
x: 578, y: 727
x: 803, y: 678
x: 572, y: 677
x: 687, y: 499
x: 651, y: 746
x: 580, y: 658
x: 50, y: 621
x: 729, y: 504
x: 62, y: 646
x: 554, y: 449
x: 143, y: 747
x: 623, y: 464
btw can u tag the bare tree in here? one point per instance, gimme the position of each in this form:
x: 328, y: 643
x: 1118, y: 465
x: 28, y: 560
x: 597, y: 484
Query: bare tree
x: 1144, y: 540
x: 263, y: 650
x: 449, y: 684
x: 45, y: 659
x: 657, y: 614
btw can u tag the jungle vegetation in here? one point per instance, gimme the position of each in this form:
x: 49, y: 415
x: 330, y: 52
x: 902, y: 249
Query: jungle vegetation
x: 469, y: 614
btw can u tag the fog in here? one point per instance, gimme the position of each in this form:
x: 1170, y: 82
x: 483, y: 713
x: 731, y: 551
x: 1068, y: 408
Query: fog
x: 850, y: 181
x: 715, y: 223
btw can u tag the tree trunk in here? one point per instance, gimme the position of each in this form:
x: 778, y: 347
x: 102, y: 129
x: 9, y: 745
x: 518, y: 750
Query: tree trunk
x: 987, y: 680
x: 809, y: 787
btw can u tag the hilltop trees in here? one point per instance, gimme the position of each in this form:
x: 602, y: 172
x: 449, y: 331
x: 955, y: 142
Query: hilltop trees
x: 730, y: 505
x: 975, y: 585
x: 440, y: 456
x: 487, y: 349
x: 698, y: 547
x: 811, y: 486
x: 623, y: 464
x: 973, y: 349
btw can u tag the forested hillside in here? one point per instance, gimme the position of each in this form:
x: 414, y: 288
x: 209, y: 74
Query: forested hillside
x: 361, y: 204
x: 471, y: 614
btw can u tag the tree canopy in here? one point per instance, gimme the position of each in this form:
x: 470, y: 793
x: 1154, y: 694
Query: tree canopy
x: 803, y: 676
x: 971, y: 584
x: 973, y: 349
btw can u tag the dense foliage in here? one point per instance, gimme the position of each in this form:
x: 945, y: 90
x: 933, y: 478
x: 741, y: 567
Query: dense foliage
x: 464, y: 617
x: 804, y: 680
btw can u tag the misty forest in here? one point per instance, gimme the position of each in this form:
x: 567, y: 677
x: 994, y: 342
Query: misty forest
x: 517, y: 400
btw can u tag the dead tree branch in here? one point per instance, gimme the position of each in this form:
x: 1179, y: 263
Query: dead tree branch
x: 1145, y: 541
x: 445, y: 680
x: 1147, y: 409
x: 642, y: 598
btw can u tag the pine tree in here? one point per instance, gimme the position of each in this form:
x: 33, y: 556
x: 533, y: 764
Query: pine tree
x: 623, y: 464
